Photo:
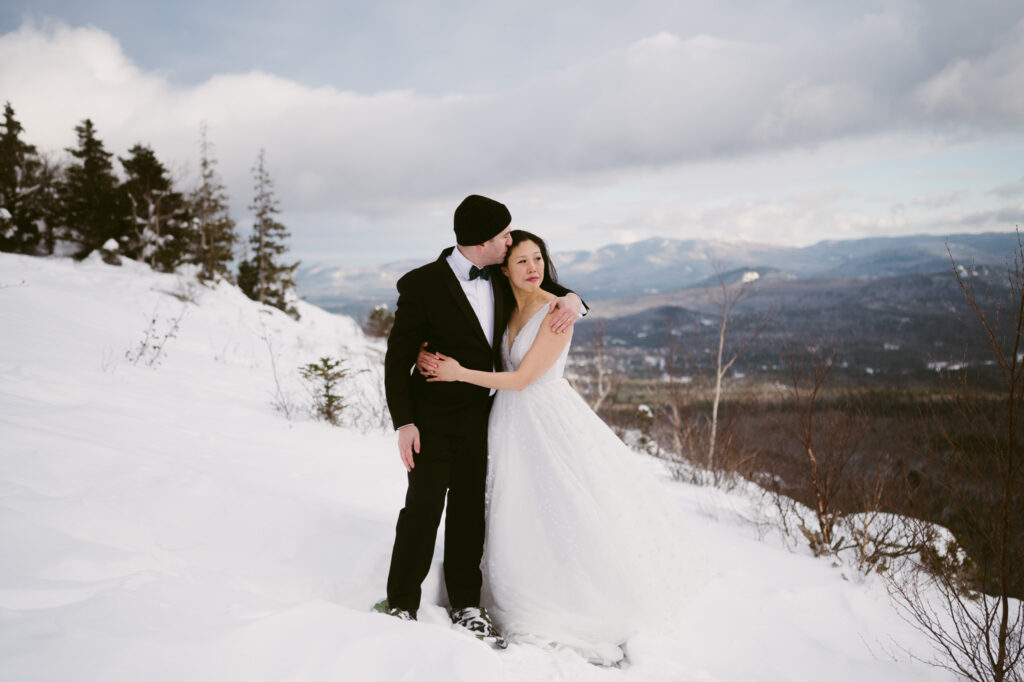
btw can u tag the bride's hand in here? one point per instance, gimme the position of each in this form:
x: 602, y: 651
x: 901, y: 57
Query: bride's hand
x: 446, y: 368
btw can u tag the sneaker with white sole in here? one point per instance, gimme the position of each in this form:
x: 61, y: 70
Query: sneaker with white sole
x: 476, y: 622
x: 401, y: 614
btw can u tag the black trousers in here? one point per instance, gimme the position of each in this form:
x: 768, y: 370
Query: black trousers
x: 447, y: 464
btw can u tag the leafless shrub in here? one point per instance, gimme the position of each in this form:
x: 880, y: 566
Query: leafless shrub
x: 604, y: 374
x: 976, y: 635
x: 690, y: 430
x: 152, y: 347
x: 686, y: 429
x: 875, y: 536
x: 281, y: 400
x: 368, y: 407
x: 594, y: 375
x: 826, y: 441
x: 966, y: 599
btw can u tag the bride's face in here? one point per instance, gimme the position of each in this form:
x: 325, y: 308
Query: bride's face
x: 525, y: 269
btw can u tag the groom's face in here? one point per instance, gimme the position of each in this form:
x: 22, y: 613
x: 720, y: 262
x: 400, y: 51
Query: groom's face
x: 493, y: 250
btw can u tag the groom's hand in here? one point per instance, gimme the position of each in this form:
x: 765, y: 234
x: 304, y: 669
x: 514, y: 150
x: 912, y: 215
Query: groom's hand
x: 426, y: 362
x: 567, y: 311
x: 408, y: 444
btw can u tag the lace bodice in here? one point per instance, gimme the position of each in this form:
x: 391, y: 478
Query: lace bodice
x: 510, y: 359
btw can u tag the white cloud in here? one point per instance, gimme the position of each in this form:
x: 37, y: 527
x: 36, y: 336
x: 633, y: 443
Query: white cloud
x: 1010, y: 189
x: 987, y: 90
x: 588, y: 143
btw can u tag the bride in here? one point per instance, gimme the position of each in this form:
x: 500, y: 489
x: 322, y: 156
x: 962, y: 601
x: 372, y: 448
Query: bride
x: 584, y: 549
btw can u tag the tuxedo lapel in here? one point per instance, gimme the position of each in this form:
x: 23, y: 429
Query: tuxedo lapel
x: 459, y: 296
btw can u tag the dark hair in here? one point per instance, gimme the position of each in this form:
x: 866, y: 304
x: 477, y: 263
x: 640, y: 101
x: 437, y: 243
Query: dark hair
x: 550, y: 274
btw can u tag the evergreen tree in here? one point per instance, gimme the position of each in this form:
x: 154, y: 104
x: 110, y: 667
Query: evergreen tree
x: 212, y: 231
x: 92, y: 205
x: 157, y: 212
x: 323, y: 378
x: 379, y: 322
x: 50, y: 204
x: 26, y: 192
x: 262, y: 277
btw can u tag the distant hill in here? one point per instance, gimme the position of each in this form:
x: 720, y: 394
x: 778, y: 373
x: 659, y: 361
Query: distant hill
x: 889, y: 330
x: 658, y: 265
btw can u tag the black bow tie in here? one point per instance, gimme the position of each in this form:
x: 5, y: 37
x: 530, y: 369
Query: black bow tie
x: 475, y: 272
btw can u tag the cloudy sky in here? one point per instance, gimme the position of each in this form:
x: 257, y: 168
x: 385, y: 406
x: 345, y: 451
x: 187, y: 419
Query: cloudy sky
x: 595, y: 121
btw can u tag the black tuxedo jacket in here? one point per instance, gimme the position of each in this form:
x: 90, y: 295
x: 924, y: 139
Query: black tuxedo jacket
x: 433, y: 307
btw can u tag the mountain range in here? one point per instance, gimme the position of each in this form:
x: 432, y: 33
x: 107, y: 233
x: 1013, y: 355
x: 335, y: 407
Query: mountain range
x: 654, y: 266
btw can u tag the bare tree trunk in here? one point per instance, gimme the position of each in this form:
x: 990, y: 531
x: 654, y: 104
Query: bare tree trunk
x: 603, y: 373
x: 719, y: 373
x: 727, y: 301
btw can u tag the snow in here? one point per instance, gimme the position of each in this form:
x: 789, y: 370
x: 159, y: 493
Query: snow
x: 167, y: 523
x: 942, y: 365
x: 750, y: 276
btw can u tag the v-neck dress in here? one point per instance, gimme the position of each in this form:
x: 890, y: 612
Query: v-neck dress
x: 584, y: 548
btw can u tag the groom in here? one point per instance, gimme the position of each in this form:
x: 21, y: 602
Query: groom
x: 460, y: 305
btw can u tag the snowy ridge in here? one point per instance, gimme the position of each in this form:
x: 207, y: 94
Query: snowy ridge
x: 166, y: 523
x: 659, y: 264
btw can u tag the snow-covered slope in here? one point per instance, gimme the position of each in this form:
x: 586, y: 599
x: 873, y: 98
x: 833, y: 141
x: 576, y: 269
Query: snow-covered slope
x: 167, y: 523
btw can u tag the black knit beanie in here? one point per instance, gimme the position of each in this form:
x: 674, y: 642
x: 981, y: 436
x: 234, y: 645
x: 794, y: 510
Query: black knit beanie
x: 478, y: 219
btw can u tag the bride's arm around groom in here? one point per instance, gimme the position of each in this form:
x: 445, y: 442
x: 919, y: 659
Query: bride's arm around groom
x: 544, y: 352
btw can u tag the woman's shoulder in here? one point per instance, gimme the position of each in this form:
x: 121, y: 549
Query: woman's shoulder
x: 545, y: 315
x: 548, y: 298
x: 545, y: 306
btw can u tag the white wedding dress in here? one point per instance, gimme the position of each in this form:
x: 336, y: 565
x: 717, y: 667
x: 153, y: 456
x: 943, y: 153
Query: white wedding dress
x: 584, y: 547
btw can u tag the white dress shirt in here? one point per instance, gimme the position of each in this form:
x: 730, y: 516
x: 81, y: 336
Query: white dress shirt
x: 478, y: 291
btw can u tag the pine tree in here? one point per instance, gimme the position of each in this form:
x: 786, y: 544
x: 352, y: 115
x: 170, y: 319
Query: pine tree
x: 323, y: 378
x: 92, y: 205
x: 157, y: 213
x: 212, y: 232
x: 262, y: 277
x: 379, y: 321
x: 26, y: 192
